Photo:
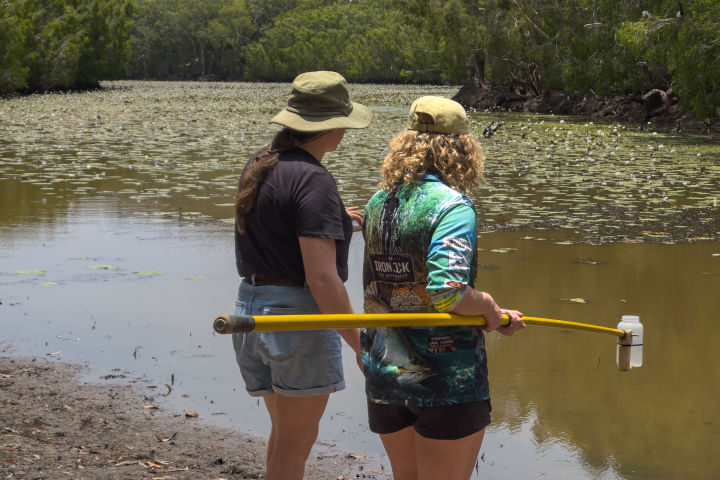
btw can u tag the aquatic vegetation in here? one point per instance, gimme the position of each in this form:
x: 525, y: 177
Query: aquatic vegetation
x: 588, y: 261
x: 174, y: 151
x: 503, y: 250
x: 148, y: 273
x: 606, y: 182
x: 576, y: 300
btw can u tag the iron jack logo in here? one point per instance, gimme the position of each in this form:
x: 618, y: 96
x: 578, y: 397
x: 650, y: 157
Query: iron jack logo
x: 392, y: 268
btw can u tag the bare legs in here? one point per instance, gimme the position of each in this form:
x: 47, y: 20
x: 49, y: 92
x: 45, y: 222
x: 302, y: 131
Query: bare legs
x: 414, y: 457
x: 294, y: 430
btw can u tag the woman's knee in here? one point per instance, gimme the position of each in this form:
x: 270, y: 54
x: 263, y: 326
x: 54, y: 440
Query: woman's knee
x: 293, y: 432
x: 400, y: 447
x: 295, y: 442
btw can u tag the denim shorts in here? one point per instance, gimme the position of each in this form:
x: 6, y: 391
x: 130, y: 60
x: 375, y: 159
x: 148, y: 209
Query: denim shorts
x: 294, y: 363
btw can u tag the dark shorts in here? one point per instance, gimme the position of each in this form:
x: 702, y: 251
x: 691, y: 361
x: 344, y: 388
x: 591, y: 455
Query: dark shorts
x: 447, y: 422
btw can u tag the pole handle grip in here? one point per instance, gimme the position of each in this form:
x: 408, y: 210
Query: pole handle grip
x: 234, y: 324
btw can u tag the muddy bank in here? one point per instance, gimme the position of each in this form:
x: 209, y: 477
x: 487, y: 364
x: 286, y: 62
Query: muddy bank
x: 52, y: 426
x: 656, y: 106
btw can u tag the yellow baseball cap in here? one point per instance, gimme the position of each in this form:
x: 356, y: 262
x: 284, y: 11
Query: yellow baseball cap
x: 438, y: 115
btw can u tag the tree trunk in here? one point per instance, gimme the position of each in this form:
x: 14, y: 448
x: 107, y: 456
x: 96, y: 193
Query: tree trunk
x: 476, y: 68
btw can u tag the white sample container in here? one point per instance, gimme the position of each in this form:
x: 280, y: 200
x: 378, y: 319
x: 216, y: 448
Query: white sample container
x: 632, y: 322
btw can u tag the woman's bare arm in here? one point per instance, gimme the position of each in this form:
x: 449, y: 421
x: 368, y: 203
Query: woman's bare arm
x: 318, y: 256
x: 481, y: 303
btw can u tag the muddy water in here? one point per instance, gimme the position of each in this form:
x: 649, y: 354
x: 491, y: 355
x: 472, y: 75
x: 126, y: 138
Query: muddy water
x: 116, y: 252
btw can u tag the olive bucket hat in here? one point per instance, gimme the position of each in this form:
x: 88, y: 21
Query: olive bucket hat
x: 320, y: 101
x: 438, y: 115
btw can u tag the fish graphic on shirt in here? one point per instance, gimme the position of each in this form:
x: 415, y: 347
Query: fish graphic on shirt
x: 394, y: 358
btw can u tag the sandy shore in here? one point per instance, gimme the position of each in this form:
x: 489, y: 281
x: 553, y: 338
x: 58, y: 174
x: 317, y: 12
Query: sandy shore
x: 54, y: 426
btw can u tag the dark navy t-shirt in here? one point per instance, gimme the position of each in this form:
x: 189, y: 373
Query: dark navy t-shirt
x: 298, y: 199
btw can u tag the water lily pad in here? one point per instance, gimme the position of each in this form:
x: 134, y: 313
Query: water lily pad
x: 148, y: 273
x: 576, y: 300
x: 103, y: 267
x: 48, y: 284
x: 588, y: 261
x: 30, y: 272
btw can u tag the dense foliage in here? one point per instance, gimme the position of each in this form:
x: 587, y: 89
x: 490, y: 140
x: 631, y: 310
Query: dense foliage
x: 46, y: 45
x: 367, y: 41
x: 682, y: 43
x: 591, y: 46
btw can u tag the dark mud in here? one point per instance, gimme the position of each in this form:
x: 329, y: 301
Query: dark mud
x: 53, y: 426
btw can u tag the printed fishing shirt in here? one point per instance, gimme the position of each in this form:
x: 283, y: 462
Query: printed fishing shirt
x: 420, y: 242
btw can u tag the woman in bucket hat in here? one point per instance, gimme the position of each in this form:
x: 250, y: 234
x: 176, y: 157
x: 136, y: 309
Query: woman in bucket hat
x: 427, y: 387
x: 291, y: 247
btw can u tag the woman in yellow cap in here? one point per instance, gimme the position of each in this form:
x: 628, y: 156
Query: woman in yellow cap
x: 427, y: 388
x: 291, y: 244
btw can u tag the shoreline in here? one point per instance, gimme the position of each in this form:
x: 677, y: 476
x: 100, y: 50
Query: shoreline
x: 58, y: 426
x: 660, y: 107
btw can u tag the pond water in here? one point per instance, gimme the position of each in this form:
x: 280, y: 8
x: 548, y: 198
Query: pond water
x: 116, y: 252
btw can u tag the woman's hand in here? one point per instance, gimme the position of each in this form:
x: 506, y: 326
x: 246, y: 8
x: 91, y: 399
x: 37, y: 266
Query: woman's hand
x: 515, y: 324
x: 361, y: 365
x: 356, y: 216
x: 493, y: 317
x: 482, y: 303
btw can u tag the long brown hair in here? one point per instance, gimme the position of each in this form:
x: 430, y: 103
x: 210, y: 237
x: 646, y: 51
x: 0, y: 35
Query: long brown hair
x: 259, y: 167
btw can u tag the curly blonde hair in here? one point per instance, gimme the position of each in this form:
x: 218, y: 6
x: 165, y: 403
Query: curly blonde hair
x: 457, y: 159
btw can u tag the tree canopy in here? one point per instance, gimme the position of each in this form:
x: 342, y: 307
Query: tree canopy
x: 46, y: 45
x: 589, y: 46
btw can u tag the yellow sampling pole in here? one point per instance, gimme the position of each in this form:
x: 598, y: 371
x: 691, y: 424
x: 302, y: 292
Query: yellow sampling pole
x: 629, y: 348
x: 264, y: 323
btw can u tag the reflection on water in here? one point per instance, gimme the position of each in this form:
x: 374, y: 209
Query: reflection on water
x: 568, y: 380
x: 114, y: 252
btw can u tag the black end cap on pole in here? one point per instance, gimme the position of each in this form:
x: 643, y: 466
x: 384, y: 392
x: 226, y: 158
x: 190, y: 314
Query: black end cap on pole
x: 234, y: 324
